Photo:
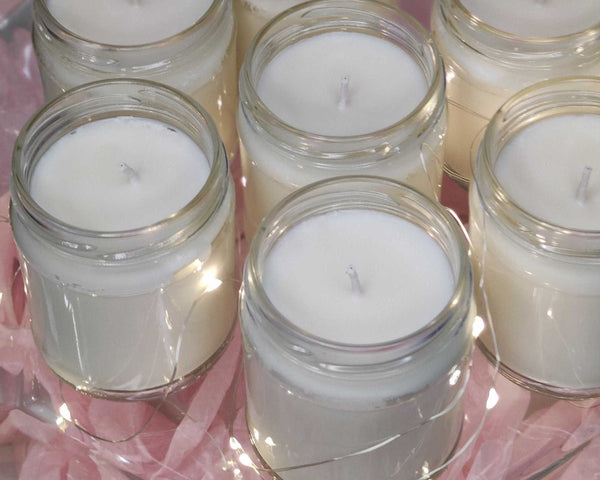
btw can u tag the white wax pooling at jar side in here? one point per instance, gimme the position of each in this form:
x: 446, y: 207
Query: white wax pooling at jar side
x: 537, y: 18
x: 302, y: 85
x: 405, y: 278
x: 543, y: 167
x: 127, y: 22
x: 119, y: 174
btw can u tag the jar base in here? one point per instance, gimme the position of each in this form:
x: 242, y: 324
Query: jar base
x: 268, y: 469
x: 562, y: 393
x: 158, y: 392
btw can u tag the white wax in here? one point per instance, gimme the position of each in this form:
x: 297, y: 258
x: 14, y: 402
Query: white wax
x: 301, y: 85
x: 536, y: 18
x: 542, y: 167
x: 405, y: 277
x: 119, y: 174
x: 252, y: 15
x: 127, y: 22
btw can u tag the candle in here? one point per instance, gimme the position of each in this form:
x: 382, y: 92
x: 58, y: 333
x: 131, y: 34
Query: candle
x: 492, y: 50
x: 536, y: 235
x: 356, y: 313
x: 252, y: 15
x: 125, y: 228
x: 322, y: 98
x: 186, y: 44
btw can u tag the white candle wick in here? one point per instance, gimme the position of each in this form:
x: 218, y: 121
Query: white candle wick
x: 583, y: 185
x: 344, y: 92
x: 129, y: 172
x: 351, y: 272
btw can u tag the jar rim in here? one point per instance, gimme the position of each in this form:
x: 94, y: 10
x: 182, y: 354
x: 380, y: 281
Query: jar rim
x: 212, y: 192
x: 512, y: 48
x: 274, y: 226
x: 41, y: 8
x: 431, y: 106
x: 550, y: 96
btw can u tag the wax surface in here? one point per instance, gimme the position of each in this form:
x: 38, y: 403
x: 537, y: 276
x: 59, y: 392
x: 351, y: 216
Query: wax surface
x: 302, y: 84
x: 82, y: 181
x: 541, y: 169
x: 127, y: 22
x: 537, y: 18
x: 405, y: 277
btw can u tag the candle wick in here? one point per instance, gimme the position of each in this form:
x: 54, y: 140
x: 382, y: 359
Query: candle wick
x: 351, y: 272
x: 129, y: 172
x: 583, y: 185
x: 344, y: 92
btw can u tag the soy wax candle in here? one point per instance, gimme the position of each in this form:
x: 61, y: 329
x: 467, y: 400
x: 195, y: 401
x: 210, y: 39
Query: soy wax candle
x: 187, y: 44
x: 334, y: 88
x: 252, y: 15
x: 356, y: 312
x: 535, y: 227
x: 122, y: 209
x: 492, y: 50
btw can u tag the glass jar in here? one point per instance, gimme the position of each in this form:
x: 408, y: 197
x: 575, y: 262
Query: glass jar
x: 319, y: 408
x: 123, y: 314
x: 199, y: 61
x: 277, y: 158
x: 486, y: 66
x: 541, y: 281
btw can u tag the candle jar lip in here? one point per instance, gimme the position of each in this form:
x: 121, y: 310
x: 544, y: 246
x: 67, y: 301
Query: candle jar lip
x: 361, y: 149
x: 513, y: 49
x: 367, y: 191
x: 41, y: 10
x: 567, y: 95
x: 108, y: 99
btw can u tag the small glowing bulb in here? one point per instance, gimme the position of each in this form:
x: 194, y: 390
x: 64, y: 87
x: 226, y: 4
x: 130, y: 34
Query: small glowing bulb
x: 64, y: 412
x: 234, y: 444
x: 455, y: 377
x: 210, y: 282
x: 245, y: 460
x: 492, y: 400
x: 269, y: 441
x: 478, y: 326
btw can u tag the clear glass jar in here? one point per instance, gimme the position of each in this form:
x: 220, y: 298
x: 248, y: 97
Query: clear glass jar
x: 486, y: 66
x: 123, y: 314
x: 541, y: 281
x: 345, y: 411
x: 278, y: 158
x: 199, y: 61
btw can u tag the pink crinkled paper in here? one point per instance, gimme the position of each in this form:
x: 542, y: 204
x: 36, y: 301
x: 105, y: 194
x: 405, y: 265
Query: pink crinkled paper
x: 49, y: 431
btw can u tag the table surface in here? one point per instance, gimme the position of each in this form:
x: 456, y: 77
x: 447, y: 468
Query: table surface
x: 50, y: 431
